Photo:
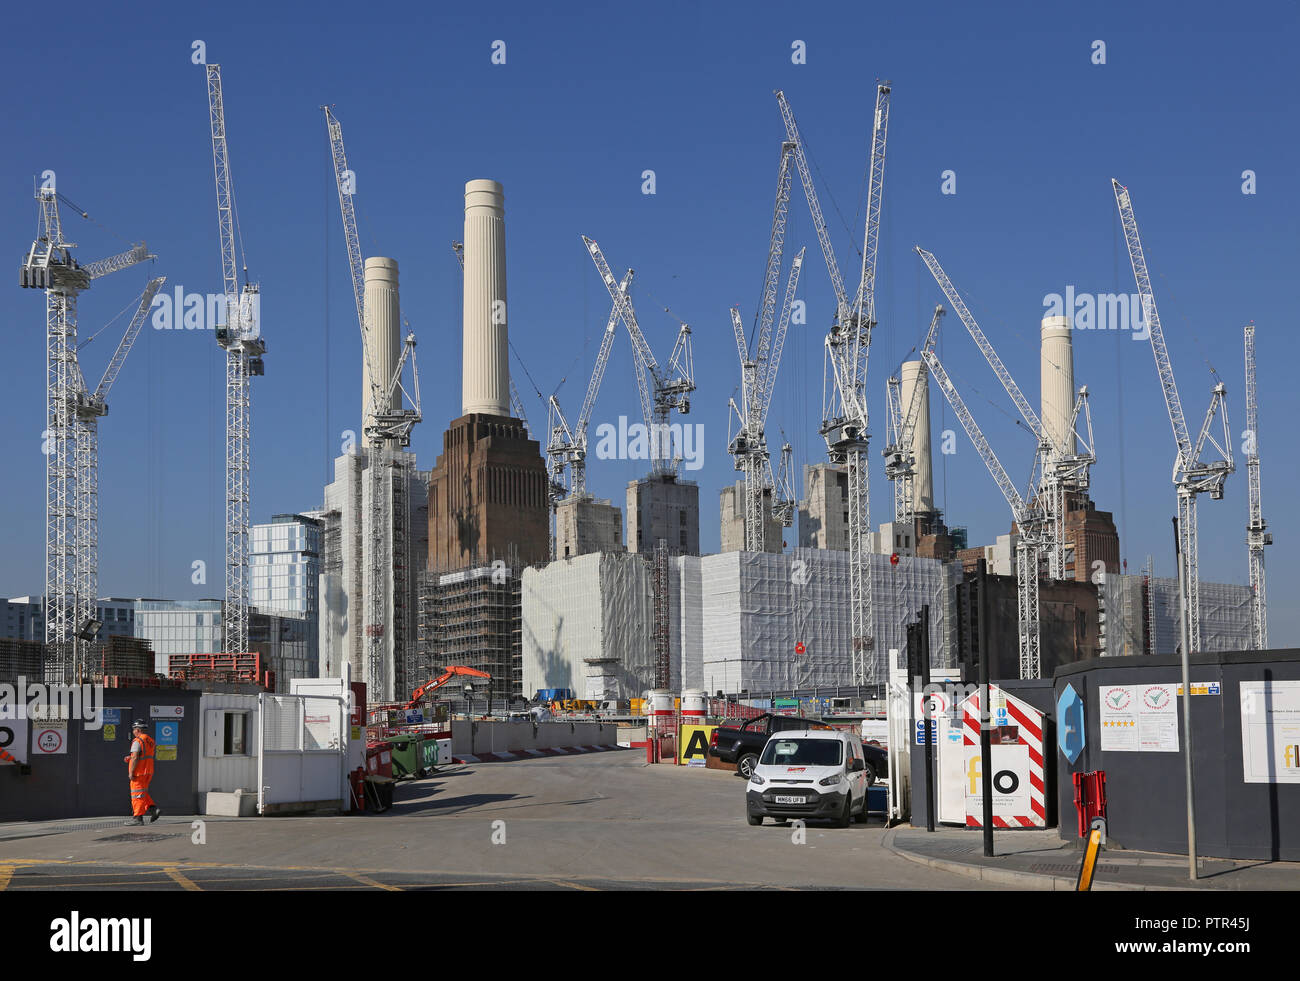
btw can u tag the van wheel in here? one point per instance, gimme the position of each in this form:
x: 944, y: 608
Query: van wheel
x: 745, y: 766
x: 862, y: 815
x: 754, y: 819
x: 846, y: 814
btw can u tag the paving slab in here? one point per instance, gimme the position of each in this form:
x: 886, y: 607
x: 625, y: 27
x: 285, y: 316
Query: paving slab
x: 1040, y: 859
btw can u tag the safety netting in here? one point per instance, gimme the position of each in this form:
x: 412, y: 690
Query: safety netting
x: 1224, y: 608
x: 770, y: 622
x: 588, y: 626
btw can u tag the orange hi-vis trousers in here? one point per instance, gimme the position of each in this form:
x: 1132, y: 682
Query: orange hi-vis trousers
x: 140, y: 799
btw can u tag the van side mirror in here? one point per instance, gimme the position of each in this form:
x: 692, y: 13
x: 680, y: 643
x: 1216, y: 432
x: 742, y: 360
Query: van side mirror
x: 856, y: 766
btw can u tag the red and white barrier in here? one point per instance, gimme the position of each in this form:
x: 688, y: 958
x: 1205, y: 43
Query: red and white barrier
x: 1011, y: 767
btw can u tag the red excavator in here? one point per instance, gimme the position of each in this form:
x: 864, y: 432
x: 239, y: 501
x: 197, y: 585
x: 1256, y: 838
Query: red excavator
x: 456, y: 670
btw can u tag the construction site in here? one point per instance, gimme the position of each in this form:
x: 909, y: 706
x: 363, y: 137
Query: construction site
x: 482, y: 559
x: 506, y: 591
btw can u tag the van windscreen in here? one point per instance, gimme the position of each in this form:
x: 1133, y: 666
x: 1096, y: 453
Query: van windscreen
x: 802, y: 752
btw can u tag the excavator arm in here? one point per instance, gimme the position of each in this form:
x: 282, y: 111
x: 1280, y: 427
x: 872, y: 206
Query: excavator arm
x: 455, y: 671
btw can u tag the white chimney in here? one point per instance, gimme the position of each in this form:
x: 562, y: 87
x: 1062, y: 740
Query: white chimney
x: 1058, y: 381
x: 486, y: 368
x: 923, y: 479
x: 383, y: 313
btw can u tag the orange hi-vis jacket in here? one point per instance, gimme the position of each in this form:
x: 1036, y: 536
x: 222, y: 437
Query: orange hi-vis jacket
x: 144, y: 767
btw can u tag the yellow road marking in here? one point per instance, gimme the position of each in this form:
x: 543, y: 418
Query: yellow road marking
x: 571, y: 885
x: 6, y: 873
x: 180, y: 879
x: 489, y: 878
x: 365, y: 881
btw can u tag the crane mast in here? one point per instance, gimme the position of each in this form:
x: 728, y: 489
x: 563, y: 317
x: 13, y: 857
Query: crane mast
x: 240, y: 337
x: 900, y: 458
x: 1030, y: 520
x: 1256, y: 535
x: 748, y: 443
x: 70, y: 437
x: 661, y: 390
x: 90, y: 408
x: 567, y: 449
x: 845, y: 425
x: 1191, y: 475
x: 389, y: 425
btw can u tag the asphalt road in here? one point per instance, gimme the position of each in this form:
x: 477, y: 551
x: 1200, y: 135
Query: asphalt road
x: 604, y: 821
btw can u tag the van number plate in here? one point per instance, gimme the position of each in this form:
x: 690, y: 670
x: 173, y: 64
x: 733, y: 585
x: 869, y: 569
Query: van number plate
x: 791, y: 800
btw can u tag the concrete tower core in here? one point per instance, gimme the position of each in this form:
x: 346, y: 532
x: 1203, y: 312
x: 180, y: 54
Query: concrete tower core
x: 486, y: 368
x: 382, y: 334
x: 923, y: 480
x: 1058, y: 381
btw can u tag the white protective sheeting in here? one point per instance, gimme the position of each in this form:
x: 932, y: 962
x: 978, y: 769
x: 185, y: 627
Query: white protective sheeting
x: 756, y: 608
x: 688, y: 621
x: 595, y: 608
x: 1225, y: 615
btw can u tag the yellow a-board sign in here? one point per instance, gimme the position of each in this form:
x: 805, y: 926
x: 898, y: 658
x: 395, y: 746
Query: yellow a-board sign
x: 693, y: 748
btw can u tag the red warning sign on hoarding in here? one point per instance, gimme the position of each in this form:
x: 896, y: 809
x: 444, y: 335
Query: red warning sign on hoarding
x: 50, y: 737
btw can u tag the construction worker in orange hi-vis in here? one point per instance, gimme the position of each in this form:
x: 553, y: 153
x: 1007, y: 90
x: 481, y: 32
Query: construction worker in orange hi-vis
x: 140, y: 770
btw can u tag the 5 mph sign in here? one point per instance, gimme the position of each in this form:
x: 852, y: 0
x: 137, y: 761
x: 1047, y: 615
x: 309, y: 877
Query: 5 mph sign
x: 50, y: 737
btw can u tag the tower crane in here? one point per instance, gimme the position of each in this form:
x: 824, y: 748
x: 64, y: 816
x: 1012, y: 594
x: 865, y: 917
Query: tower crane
x: 1256, y: 536
x: 240, y: 337
x: 844, y: 405
x: 567, y: 446
x: 1058, y: 468
x: 900, y: 460
x: 662, y: 389
x: 1191, y: 475
x: 1029, y: 517
x: 784, y: 498
x: 390, y: 424
x: 90, y: 408
x: 758, y: 368
x: 748, y: 443
x: 71, y: 478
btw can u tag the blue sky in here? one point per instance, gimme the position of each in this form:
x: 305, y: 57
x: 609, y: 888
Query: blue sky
x: 1189, y: 97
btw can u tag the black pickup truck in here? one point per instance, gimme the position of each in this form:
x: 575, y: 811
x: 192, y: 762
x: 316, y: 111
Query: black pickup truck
x: 742, y: 744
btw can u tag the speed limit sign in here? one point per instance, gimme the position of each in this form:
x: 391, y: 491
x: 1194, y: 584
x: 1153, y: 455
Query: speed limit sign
x: 50, y: 737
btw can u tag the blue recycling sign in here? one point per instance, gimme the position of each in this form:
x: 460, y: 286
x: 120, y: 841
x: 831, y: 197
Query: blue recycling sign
x: 1071, y: 736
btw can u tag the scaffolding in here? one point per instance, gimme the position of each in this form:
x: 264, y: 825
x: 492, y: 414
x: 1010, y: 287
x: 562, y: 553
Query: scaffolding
x: 1142, y: 614
x: 661, y: 625
x: 473, y: 618
x: 22, y: 659
x: 129, y: 657
x: 403, y: 653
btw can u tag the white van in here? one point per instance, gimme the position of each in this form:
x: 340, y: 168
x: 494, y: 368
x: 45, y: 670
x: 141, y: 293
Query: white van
x: 812, y: 773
